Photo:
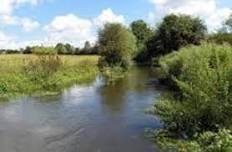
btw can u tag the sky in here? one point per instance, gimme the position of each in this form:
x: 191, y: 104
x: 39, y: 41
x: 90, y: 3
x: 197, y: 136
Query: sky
x: 47, y: 22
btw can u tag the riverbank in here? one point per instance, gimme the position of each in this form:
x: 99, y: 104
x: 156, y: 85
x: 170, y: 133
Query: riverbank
x: 17, y: 80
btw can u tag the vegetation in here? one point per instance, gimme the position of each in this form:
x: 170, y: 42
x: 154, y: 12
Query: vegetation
x: 40, y: 50
x: 71, y: 50
x: 60, y: 48
x: 174, y: 32
x: 205, y: 142
x: 64, y: 48
x: 43, y: 74
x: 143, y: 33
x: 224, y: 35
x: 228, y: 24
x: 221, y: 38
x: 118, y: 46
x: 201, y: 77
x: 9, y: 51
x: 197, y: 115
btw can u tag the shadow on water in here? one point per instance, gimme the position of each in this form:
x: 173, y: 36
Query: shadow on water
x: 92, y: 118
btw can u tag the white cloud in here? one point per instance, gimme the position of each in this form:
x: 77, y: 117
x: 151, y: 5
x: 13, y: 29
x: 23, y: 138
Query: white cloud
x: 5, y: 40
x: 26, y: 23
x: 206, y: 9
x: 70, y: 28
x: 7, y: 18
x: 11, y: 42
x: 8, y: 6
x: 108, y: 16
x: 76, y: 30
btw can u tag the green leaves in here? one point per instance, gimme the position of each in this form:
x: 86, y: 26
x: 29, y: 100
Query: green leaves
x: 203, y: 101
x: 3, y: 88
x: 216, y: 142
x: 117, y: 45
x: 142, y: 33
x: 220, y: 141
x: 175, y: 32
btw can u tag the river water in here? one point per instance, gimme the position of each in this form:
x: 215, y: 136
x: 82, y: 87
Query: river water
x: 90, y: 118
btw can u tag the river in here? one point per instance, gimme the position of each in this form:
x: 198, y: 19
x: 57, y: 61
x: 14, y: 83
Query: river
x: 90, y: 118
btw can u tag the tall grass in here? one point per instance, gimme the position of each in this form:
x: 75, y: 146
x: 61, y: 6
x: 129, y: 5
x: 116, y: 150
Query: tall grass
x: 43, y: 74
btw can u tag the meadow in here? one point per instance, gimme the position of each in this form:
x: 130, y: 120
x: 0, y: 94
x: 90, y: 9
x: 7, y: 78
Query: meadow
x: 43, y: 74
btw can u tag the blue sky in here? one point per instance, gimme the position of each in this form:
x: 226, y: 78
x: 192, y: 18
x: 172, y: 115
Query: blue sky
x: 35, y: 22
x: 131, y: 9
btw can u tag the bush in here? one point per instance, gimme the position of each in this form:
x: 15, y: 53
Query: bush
x: 42, y: 68
x: 220, y: 141
x: 203, y: 101
x: 216, y: 142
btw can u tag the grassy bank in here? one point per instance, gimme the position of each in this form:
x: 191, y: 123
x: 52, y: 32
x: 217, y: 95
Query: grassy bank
x: 39, y: 75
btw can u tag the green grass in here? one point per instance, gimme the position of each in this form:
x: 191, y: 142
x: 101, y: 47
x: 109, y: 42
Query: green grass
x: 15, y: 81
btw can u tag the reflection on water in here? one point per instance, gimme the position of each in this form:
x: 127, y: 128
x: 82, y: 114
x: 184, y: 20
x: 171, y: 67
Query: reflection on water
x: 94, y: 118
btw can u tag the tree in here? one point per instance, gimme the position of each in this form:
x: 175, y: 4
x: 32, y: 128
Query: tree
x: 174, y: 32
x: 87, y: 48
x: 42, y: 50
x: 87, y: 45
x: 223, y: 35
x: 142, y: 33
x: 117, y: 45
x: 228, y: 23
x: 61, y: 49
x: 77, y: 51
x: 69, y: 48
x: 27, y: 50
x: 221, y: 38
x: 64, y: 48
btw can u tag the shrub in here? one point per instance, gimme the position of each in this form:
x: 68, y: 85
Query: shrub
x: 203, y: 102
x: 42, y: 68
x: 216, y: 142
x: 220, y: 141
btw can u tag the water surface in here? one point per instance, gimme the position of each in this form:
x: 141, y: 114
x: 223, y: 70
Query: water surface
x: 93, y: 118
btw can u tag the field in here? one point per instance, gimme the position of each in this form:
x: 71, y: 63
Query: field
x: 36, y: 75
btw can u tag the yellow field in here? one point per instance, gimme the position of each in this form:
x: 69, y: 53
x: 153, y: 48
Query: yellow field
x: 16, y: 61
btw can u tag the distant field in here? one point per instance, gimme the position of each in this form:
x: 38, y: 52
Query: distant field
x: 15, y: 81
x: 15, y: 62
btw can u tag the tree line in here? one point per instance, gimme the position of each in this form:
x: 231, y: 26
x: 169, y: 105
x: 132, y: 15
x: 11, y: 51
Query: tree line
x: 195, y: 66
x: 119, y: 45
x: 172, y: 33
x: 60, y: 48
